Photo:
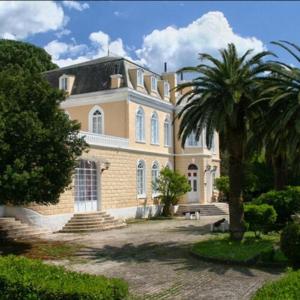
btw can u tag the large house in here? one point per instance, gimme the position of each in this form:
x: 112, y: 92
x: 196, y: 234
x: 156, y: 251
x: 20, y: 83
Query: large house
x: 126, y: 113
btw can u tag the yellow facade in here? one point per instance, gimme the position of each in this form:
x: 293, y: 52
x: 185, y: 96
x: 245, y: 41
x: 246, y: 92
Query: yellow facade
x: 118, y: 148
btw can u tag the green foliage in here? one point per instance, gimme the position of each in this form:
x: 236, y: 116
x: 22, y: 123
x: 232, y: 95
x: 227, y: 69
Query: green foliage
x: 220, y: 99
x: 286, y: 288
x: 222, y: 185
x: 22, y: 278
x: 171, y: 185
x: 290, y: 243
x: 24, y: 56
x: 38, y: 143
x: 286, y: 203
x: 260, y: 217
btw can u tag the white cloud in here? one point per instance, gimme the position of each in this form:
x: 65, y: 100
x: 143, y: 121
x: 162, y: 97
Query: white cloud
x: 62, y: 33
x: 181, y: 46
x: 176, y: 46
x: 20, y: 19
x: 58, y: 49
x: 76, y: 5
x: 65, y: 54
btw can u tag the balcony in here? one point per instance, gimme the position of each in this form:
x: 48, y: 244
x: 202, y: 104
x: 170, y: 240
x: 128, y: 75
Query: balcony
x: 104, y: 140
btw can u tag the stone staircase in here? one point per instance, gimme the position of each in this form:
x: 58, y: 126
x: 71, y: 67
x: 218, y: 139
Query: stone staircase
x: 88, y: 222
x: 211, y: 209
x: 11, y: 228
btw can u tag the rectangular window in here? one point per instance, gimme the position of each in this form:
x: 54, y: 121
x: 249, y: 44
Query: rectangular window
x: 153, y: 83
x: 166, y: 89
x: 167, y: 134
x: 140, y: 77
x: 64, y: 83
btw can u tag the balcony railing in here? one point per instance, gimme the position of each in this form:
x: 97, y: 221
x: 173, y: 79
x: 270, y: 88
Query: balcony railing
x: 104, y: 140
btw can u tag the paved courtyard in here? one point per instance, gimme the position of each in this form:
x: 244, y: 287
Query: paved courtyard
x: 154, y: 258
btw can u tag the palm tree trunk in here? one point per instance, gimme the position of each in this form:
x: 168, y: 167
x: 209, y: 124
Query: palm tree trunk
x: 236, y: 176
x: 280, y: 172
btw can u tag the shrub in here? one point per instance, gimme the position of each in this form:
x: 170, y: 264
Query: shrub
x: 290, y: 243
x: 171, y: 186
x: 287, y: 287
x: 260, y: 218
x: 286, y: 203
x: 22, y: 278
x: 222, y: 185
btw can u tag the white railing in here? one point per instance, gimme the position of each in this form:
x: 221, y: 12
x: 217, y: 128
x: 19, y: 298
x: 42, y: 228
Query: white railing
x: 104, y: 140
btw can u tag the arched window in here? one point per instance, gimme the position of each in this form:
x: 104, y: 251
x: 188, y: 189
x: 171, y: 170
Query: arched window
x: 154, y: 129
x: 141, y: 178
x: 167, y: 132
x: 191, y: 140
x: 192, y: 167
x: 140, y: 125
x: 154, y: 176
x: 96, y: 120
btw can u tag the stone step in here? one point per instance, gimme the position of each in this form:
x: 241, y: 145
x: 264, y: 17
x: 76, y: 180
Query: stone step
x: 91, y: 219
x: 11, y: 228
x: 69, y: 225
x: 93, y: 229
x: 96, y: 221
x: 90, y: 214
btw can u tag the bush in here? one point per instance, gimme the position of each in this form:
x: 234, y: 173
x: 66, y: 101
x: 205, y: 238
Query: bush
x: 288, y: 287
x: 290, y: 243
x: 260, y: 218
x: 286, y: 203
x: 22, y: 278
x: 222, y: 185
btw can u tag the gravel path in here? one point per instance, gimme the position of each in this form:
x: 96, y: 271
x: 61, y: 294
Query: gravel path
x: 154, y: 258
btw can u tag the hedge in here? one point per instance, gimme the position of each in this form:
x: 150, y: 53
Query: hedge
x: 286, y: 203
x: 23, y: 278
x: 286, y: 288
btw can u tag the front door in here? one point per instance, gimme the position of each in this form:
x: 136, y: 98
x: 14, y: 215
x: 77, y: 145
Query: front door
x: 193, y: 195
x: 86, y: 186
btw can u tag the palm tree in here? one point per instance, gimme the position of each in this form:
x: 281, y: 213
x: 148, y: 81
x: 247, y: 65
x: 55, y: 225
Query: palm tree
x: 218, y: 100
x: 280, y: 132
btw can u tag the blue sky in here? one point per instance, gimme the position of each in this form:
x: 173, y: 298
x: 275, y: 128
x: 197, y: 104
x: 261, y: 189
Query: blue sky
x: 149, y: 32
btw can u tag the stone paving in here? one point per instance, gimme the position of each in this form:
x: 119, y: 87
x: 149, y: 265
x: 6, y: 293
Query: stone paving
x: 154, y: 258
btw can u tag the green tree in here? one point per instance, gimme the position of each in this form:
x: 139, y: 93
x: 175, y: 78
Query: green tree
x: 25, y: 56
x: 222, y: 185
x: 171, y: 186
x: 38, y: 143
x: 279, y: 128
x: 219, y: 100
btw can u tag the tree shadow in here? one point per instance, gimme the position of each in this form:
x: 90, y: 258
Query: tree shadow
x: 193, y: 229
x: 169, y: 253
x: 14, y: 247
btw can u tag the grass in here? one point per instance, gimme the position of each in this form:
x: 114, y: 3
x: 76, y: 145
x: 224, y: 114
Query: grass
x: 250, y: 250
x: 286, y: 288
x: 46, y: 250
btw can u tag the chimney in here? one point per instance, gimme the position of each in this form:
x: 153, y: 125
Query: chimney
x: 115, y: 81
x: 165, y: 67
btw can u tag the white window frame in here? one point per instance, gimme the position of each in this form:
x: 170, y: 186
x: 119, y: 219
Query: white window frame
x: 167, y: 132
x: 141, y: 186
x: 155, y: 172
x: 140, y: 77
x: 154, y: 125
x: 153, y: 83
x: 166, y: 89
x: 140, y: 130
x: 64, y: 82
x: 91, y: 116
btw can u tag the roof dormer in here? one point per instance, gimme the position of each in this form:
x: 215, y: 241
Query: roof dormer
x: 66, y: 83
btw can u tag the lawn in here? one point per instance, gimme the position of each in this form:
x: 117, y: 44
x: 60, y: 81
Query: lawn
x: 286, y: 288
x: 249, y: 251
